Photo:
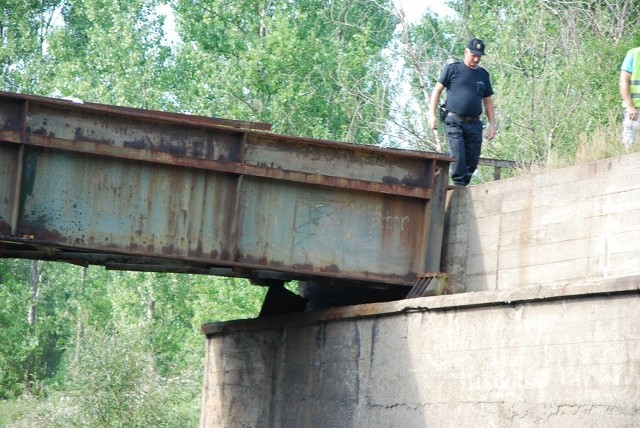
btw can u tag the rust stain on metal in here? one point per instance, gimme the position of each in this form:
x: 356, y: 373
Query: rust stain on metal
x: 259, y: 261
x: 330, y: 269
x: 198, y: 253
x: 79, y: 136
x: 5, y: 228
x: 40, y: 234
x: 305, y: 267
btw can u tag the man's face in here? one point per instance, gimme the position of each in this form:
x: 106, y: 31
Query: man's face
x: 470, y: 59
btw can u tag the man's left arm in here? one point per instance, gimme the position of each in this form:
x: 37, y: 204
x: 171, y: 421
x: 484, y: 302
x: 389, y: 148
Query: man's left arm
x: 491, y: 117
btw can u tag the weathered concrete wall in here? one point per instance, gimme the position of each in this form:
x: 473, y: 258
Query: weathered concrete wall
x: 523, y: 358
x: 548, y: 334
x: 557, y: 227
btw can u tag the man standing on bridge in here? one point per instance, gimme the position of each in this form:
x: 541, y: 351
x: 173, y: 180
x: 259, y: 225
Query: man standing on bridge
x: 630, y: 92
x: 468, y: 88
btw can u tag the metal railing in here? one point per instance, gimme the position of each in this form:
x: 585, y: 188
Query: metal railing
x: 498, y: 165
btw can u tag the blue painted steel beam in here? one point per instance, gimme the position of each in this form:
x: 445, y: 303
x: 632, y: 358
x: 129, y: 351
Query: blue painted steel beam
x: 129, y: 188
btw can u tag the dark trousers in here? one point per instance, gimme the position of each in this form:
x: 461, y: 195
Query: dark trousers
x: 465, y: 143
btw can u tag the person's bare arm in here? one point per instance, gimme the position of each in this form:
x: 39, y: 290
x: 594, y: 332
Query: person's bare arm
x: 491, y: 117
x: 625, y: 92
x: 433, y: 105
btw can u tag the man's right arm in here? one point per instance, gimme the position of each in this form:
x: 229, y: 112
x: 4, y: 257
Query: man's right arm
x: 433, y: 105
x: 625, y: 93
x: 624, y: 83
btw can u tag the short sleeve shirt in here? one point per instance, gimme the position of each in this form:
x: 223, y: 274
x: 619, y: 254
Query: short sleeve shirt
x: 466, y: 88
x: 627, y: 63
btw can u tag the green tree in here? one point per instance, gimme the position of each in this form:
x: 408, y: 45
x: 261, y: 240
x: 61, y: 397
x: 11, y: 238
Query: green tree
x: 14, y: 295
x: 34, y: 317
x: 309, y: 67
x: 99, y: 333
x: 422, y: 49
x: 24, y: 29
x: 110, y: 52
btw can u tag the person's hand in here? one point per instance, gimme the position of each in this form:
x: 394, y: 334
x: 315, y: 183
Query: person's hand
x: 433, y: 121
x: 491, y: 131
x: 633, y: 113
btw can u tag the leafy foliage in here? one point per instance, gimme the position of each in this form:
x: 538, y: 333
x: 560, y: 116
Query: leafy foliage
x: 109, y: 347
x: 555, y: 69
x: 309, y: 67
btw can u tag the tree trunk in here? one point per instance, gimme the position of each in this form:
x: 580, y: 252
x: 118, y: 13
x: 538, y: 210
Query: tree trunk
x: 32, y: 316
x: 80, y: 319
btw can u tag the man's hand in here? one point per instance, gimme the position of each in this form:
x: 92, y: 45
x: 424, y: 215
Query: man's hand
x: 633, y: 113
x: 433, y: 121
x: 491, y: 131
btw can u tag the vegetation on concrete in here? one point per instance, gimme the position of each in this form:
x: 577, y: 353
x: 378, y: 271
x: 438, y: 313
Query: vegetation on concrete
x: 90, y: 347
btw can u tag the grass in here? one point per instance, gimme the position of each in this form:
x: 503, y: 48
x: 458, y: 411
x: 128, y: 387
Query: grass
x: 13, y: 410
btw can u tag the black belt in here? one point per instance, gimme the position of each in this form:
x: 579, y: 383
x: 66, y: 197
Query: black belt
x: 466, y: 119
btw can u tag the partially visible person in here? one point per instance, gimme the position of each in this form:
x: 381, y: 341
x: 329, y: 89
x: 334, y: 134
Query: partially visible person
x: 630, y: 92
x: 468, y: 89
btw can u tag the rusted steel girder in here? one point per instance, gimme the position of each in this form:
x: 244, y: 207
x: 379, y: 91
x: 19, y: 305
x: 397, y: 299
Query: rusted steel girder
x: 143, y: 190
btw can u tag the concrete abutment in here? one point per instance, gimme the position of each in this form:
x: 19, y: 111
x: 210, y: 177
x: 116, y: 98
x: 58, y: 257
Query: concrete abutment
x: 544, y: 332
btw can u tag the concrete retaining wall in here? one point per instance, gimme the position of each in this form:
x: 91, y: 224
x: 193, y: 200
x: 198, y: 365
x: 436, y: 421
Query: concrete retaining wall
x: 548, y: 333
x: 482, y: 359
x: 573, y: 224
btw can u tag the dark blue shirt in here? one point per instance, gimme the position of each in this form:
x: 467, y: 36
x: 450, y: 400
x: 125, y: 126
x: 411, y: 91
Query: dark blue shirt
x: 466, y: 88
